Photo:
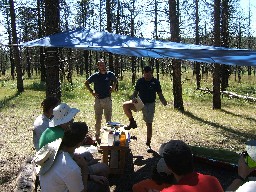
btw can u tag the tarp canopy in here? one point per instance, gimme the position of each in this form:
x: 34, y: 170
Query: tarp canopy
x: 85, y: 39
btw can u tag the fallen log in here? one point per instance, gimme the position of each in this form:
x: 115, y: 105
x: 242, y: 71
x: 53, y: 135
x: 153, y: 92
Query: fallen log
x: 231, y: 94
x: 234, y: 95
x: 26, y: 179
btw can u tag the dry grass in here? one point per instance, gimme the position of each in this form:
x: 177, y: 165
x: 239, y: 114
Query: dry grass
x: 199, y: 125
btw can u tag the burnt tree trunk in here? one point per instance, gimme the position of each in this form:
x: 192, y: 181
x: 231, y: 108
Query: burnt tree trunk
x: 15, y: 47
x: 176, y: 64
x: 197, y: 64
x: 41, y: 49
x: 109, y: 29
x: 216, y: 70
x: 225, y: 69
x: 52, y: 19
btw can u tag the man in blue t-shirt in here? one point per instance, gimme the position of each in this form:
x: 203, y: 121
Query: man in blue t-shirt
x: 104, y: 84
x: 146, y: 88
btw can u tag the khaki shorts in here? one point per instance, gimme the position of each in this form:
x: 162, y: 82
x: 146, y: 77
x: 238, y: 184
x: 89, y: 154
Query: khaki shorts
x: 148, y: 112
x: 102, y: 106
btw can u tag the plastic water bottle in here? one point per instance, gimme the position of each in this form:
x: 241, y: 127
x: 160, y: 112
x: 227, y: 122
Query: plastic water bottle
x: 116, y: 139
x: 122, y: 139
x: 110, y: 138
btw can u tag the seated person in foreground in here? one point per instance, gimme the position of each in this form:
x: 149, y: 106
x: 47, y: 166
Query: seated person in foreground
x: 64, y: 171
x: 179, y: 159
x: 241, y: 183
x: 63, y: 116
x: 60, y: 123
x: 42, y: 121
x: 161, y: 178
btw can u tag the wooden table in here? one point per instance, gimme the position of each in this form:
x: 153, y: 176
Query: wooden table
x: 114, y: 156
x: 117, y: 163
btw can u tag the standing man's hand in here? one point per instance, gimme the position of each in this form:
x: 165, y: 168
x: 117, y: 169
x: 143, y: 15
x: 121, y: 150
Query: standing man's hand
x: 112, y: 89
x: 134, y: 100
x: 164, y: 103
x: 162, y: 99
x: 95, y: 95
x: 87, y: 85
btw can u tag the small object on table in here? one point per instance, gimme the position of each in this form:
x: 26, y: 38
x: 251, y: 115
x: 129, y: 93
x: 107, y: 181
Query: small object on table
x: 110, y: 138
x: 122, y: 139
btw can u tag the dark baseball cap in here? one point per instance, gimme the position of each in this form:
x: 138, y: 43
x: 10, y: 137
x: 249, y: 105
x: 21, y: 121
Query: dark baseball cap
x: 147, y: 69
x: 177, y: 151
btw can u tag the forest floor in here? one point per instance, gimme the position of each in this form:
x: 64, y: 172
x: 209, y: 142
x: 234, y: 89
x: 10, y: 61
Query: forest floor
x: 199, y: 125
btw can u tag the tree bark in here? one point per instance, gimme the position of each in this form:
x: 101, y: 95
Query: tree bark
x: 52, y: 20
x: 197, y: 64
x: 109, y: 29
x: 225, y: 69
x: 176, y: 64
x: 41, y: 49
x: 216, y: 71
x: 15, y: 47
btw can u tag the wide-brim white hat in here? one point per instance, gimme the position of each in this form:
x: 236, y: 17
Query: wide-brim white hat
x: 251, y: 149
x: 62, y: 114
x: 45, y: 157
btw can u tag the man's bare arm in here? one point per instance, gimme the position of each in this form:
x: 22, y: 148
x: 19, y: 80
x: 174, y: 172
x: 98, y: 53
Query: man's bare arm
x: 88, y: 87
x: 162, y: 99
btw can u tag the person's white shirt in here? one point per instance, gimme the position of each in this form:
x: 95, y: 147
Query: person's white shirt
x: 63, y: 176
x: 40, y: 125
x: 249, y: 186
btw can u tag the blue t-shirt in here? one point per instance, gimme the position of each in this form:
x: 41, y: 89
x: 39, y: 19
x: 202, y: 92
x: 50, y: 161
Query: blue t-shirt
x: 148, y: 89
x: 102, y: 83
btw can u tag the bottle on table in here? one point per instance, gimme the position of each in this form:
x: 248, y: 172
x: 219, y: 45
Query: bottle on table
x: 122, y: 139
x: 116, y: 139
x: 110, y: 138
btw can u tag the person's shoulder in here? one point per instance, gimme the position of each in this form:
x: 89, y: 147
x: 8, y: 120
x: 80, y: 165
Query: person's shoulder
x: 155, y: 80
x: 40, y: 120
x: 208, y: 177
x: 64, y: 164
x: 172, y: 188
x: 141, y: 79
x: 69, y: 163
x: 110, y: 73
x: 94, y: 75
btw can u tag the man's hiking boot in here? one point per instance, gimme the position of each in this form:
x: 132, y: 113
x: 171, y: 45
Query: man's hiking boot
x: 149, y: 150
x: 132, y: 125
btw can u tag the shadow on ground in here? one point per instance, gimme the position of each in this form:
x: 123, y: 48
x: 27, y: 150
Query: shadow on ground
x: 124, y: 183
